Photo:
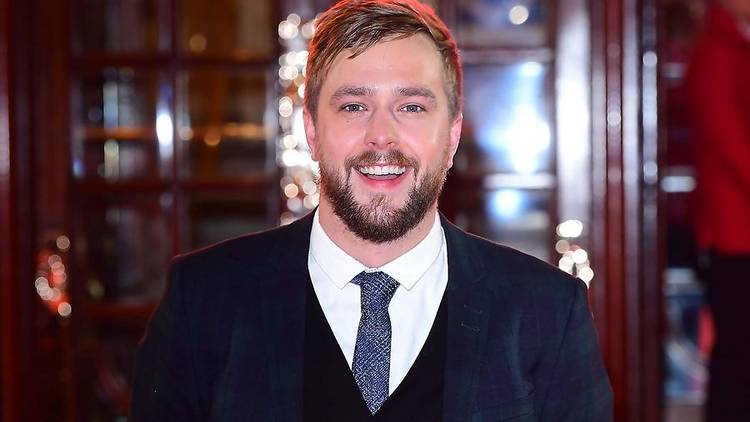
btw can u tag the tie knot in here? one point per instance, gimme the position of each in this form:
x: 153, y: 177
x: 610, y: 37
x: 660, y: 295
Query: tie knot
x: 377, y: 289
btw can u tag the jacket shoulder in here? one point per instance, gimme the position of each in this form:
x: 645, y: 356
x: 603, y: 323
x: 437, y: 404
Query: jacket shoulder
x: 520, y: 271
x: 253, y: 250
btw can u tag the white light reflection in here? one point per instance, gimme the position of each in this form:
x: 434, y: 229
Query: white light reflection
x: 678, y: 184
x: 291, y: 190
x: 586, y: 274
x: 506, y: 203
x: 532, y: 69
x: 298, y: 129
x: 310, y: 187
x: 293, y: 152
x: 526, y: 140
x: 111, y: 159
x: 570, y: 228
x: 63, y: 243
x: 308, y: 29
x: 286, y: 107
x: 164, y: 133
x: 580, y: 256
x: 289, y: 141
x: 294, y: 204
x: 289, y: 158
x: 566, y: 263
x: 518, y: 14
x: 562, y: 246
x: 64, y: 309
x: 294, y: 19
x: 288, y: 30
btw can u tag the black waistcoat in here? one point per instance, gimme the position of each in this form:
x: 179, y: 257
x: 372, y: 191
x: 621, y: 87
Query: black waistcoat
x: 331, y: 394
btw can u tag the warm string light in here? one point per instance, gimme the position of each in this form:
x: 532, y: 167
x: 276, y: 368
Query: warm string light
x: 51, y: 281
x: 575, y: 259
x: 299, y: 190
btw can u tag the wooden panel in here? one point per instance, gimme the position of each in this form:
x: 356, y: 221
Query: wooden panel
x: 624, y: 207
x: 16, y: 303
x: 8, y: 389
x: 50, y: 139
x: 652, y: 307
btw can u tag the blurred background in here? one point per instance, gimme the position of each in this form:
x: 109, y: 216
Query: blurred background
x: 134, y: 130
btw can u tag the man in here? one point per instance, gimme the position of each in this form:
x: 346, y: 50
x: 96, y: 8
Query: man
x: 374, y: 307
x: 719, y: 90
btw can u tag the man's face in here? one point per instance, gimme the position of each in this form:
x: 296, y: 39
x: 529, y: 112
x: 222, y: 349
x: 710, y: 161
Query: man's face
x: 384, y: 136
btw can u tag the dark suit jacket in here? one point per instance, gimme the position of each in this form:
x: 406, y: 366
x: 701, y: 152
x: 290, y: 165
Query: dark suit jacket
x: 226, y: 342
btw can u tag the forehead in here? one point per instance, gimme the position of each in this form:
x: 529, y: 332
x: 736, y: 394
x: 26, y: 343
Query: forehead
x: 414, y: 60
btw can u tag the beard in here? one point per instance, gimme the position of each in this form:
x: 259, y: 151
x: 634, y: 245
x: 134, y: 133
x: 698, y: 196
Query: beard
x: 378, y: 220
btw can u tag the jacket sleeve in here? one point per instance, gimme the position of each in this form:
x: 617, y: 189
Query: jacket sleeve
x: 164, y: 385
x: 578, y: 389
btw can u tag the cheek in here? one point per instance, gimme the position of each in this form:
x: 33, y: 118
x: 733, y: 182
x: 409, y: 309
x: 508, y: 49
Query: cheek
x: 344, y: 134
x: 337, y: 140
x: 432, y: 142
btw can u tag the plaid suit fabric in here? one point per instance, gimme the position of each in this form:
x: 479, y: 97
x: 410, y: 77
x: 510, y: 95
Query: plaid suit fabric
x: 227, y: 341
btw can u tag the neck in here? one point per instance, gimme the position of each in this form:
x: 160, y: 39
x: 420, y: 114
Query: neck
x: 371, y: 254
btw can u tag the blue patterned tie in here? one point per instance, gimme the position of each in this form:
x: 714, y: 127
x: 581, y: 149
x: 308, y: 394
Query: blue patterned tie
x: 372, y: 352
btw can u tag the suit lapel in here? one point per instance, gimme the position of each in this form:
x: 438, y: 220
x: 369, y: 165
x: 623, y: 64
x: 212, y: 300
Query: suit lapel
x: 283, y: 310
x: 283, y: 313
x: 468, y: 311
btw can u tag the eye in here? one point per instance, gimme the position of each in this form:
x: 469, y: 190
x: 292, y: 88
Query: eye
x: 413, y: 108
x: 353, y: 108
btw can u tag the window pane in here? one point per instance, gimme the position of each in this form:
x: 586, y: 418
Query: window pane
x: 118, y: 26
x: 116, y: 133
x: 506, y: 120
x: 221, y: 123
x: 123, y: 246
x: 515, y: 217
x: 503, y: 23
x: 213, y: 217
x: 228, y: 27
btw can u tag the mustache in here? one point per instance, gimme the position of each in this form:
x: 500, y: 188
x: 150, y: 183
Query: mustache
x: 372, y: 158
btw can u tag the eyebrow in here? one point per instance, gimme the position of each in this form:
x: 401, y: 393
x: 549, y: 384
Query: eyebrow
x: 413, y: 91
x: 363, y: 91
x: 351, y: 91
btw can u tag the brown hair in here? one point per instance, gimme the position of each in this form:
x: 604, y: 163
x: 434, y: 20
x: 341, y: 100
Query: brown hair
x: 359, y: 24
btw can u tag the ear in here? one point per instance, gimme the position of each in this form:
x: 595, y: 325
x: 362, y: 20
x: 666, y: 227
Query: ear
x: 455, y: 137
x: 309, y: 123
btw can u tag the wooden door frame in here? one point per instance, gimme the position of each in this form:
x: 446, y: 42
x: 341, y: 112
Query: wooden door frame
x: 626, y: 241
x: 8, y: 352
x: 16, y: 220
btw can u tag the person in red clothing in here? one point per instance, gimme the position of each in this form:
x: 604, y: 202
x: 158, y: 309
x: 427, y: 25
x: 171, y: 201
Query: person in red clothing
x: 719, y: 92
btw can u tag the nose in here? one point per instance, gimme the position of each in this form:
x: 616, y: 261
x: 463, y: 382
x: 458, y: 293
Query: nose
x: 381, y: 130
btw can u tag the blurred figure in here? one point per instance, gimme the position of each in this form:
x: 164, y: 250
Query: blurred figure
x: 719, y: 90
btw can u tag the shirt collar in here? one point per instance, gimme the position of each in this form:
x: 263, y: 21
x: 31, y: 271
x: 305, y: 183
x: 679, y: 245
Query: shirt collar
x: 407, y: 269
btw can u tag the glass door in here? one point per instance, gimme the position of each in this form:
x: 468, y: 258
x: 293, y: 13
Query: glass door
x: 172, y: 148
x: 183, y: 132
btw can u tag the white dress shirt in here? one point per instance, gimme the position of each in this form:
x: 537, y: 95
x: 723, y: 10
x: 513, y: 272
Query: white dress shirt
x: 422, y: 274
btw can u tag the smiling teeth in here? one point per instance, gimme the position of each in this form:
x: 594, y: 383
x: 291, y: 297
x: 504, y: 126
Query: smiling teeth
x: 382, y: 170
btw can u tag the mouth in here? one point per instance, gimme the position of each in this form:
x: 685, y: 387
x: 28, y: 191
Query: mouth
x: 381, y: 172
